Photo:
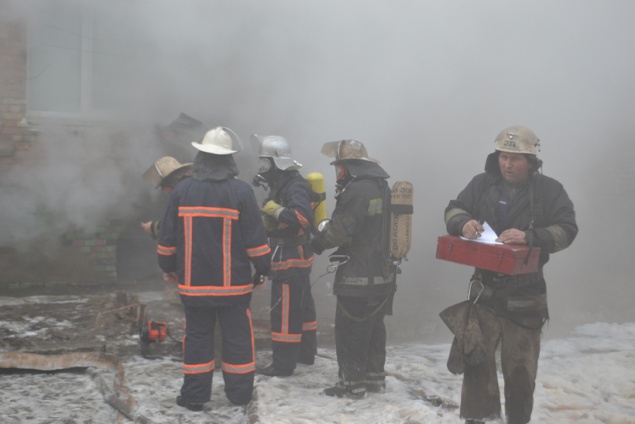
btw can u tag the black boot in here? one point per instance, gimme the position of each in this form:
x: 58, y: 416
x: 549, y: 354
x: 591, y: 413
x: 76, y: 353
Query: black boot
x: 341, y: 391
x: 196, y: 407
x: 270, y: 371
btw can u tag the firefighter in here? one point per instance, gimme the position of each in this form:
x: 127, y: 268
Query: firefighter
x: 523, y: 207
x: 165, y: 173
x: 288, y: 219
x: 210, y: 236
x: 364, y: 281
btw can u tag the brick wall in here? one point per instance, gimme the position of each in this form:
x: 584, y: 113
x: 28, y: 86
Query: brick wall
x: 13, y: 77
x: 79, y: 256
x: 99, y: 248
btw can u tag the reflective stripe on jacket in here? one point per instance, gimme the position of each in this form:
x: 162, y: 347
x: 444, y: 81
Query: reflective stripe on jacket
x: 210, y: 234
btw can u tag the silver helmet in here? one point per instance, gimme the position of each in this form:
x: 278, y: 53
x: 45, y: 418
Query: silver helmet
x: 277, y: 148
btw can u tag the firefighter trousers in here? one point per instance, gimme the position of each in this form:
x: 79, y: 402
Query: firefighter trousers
x: 360, y: 342
x: 293, y: 322
x: 520, y: 348
x: 238, y: 354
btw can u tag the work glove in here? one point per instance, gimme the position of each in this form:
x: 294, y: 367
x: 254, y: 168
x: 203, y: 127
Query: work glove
x: 270, y: 223
x: 151, y: 228
x: 272, y: 208
x: 259, y: 280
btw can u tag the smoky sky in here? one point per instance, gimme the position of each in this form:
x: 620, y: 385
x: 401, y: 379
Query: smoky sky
x: 425, y: 85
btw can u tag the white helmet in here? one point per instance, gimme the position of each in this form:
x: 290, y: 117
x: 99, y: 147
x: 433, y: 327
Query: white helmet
x: 517, y: 139
x: 218, y: 142
x: 345, y: 150
x: 276, y: 148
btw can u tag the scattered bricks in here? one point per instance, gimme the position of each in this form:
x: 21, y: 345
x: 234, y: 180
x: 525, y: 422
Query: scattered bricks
x: 13, y: 286
x: 106, y: 259
x: 106, y: 269
x: 21, y: 145
x: 11, y: 130
x: 6, y: 148
x: 78, y: 242
x: 55, y: 284
x: 73, y: 236
x: 108, y: 236
x: 13, y: 101
x: 100, y: 229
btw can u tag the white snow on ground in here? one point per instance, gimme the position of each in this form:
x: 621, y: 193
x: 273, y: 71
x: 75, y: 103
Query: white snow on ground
x: 586, y: 378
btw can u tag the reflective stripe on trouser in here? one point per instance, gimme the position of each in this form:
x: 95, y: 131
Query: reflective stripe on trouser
x: 238, y: 362
x: 360, y: 343
x: 293, y: 322
x: 520, y: 349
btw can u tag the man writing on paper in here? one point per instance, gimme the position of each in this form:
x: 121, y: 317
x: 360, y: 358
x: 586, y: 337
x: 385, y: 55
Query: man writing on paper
x: 523, y: 207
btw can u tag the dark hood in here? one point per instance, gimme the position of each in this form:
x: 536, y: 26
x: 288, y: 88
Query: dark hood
x: 214, y: 167
x: 283, y: 180
x: 491, y: 165
x: 362, y: 168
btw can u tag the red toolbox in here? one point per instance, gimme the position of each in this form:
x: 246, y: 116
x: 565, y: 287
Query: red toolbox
x: 502, y: 258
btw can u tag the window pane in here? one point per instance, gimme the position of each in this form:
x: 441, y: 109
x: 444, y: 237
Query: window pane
x: 113, y: 57
x: 55, y: 57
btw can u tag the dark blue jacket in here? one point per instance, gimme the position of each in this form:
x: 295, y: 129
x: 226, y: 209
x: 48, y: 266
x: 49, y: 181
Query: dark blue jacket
x: 290, y: 241
x: 211, y: 233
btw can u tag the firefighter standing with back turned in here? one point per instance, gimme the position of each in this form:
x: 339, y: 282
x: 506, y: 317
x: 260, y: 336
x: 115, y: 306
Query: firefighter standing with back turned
x: 210, y: 236
x: 523, y: 207
x: 288, y: 219
x: 364, y: 280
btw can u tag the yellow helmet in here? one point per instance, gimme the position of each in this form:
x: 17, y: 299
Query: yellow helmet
x: 517, y: 139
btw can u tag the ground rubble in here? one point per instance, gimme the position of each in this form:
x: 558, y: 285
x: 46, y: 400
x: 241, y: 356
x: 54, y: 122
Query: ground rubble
x: 93, y: 330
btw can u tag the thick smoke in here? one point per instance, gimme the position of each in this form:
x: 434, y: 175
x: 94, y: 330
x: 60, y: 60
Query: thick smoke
x: 425, y: 85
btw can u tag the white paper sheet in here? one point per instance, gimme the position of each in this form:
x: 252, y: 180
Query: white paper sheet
x: 488, y: 236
